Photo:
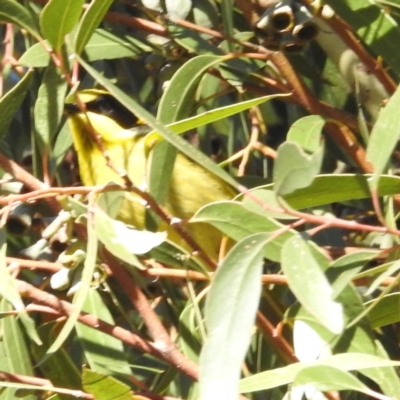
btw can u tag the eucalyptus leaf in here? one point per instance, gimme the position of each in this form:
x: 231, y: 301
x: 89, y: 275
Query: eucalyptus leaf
x: 294, y: 169
x: 384, y: 137
x: 308, y: 282
x: 229, y: 322
x: 285, y: 375
x: 90, y: 20
x: 59, y: 18
x: 11, y: 101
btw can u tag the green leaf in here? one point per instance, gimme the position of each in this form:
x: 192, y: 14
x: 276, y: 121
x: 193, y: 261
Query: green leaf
x: 162, y: 166
x: 193, y: 41
x: 124, y: 242
x: 104, y: 387
x: 228, y: 217
x: 328, y: 189
x: 13, y: 12
x: 390, y: 270
x: 211, y: 116
x: 283, y: 376
x: 227, y: 19
x: 14, y: 354
x: 111, y: 202
x: 267, y: 197
x: 104, y: 353
x: 59, y: 367
x: 170, y: 254
x: 104, y: 45
x: 175, y: 9
x: 308, y: 282
x: 294, y: 169
x: 307, y: 132
x: 345, y: 268
x: 205, y: 13
x: 230, y: 313
x: 89, y: 22
x: 386, y: 312
x: 386, y: 378
x: 177, y: 101
x: 58, y: 18
x: 11, y: 102
x: 327, y: 378
x: 49, y: 105
x: 384, y: 137
x: 35, y: 57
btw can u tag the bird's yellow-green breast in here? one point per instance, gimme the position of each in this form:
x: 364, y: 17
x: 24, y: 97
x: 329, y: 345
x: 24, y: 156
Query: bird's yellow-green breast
x: 191, y: 186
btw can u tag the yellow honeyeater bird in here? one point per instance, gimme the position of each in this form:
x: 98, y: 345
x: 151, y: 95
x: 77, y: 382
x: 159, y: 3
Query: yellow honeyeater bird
x: 122, y: 135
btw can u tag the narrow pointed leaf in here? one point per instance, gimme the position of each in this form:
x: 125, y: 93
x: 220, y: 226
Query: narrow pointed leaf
x: 384, y: 137
x: 59, y: 18
x: 229, y: 316
x: 309, y: 284
x: 89, y: 22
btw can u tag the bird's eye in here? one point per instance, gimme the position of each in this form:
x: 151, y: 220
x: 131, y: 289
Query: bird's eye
x: 112, y: 108
x: 102, y: 105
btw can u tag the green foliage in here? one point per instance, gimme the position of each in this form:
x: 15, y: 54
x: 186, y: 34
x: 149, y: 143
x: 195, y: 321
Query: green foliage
x: 304, y: 297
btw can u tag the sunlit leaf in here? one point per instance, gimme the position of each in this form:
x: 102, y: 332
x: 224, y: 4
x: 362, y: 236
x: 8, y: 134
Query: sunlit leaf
x: 308, y: 282
x: 229, y: 316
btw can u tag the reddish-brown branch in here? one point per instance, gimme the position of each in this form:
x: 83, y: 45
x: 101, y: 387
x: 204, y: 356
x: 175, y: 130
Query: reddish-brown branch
x: 39, y: 265
x: 64, y: 308
x: 173, y: 273
x: 277, y: 341
x: 27, y: 179
x: 159, y: 334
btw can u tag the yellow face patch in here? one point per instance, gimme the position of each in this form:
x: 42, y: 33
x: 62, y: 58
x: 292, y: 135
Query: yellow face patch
x: 110, y: 131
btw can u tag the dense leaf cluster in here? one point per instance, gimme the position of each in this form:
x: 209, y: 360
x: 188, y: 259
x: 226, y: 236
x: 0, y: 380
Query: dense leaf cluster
x: 292, y: 105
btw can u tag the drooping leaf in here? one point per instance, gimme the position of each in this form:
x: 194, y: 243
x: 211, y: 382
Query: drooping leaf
x: 228, y: 217
x: 229, y: 322
x: 294, y: 169
x: 308, y: 282
x: 307, y: 132
x: 49, y: 105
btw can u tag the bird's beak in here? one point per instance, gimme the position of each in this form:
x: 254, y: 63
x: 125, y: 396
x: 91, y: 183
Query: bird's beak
x: 71, y: 109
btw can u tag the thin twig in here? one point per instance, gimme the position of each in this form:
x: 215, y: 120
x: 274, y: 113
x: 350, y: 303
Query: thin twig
x: 159, y: 334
